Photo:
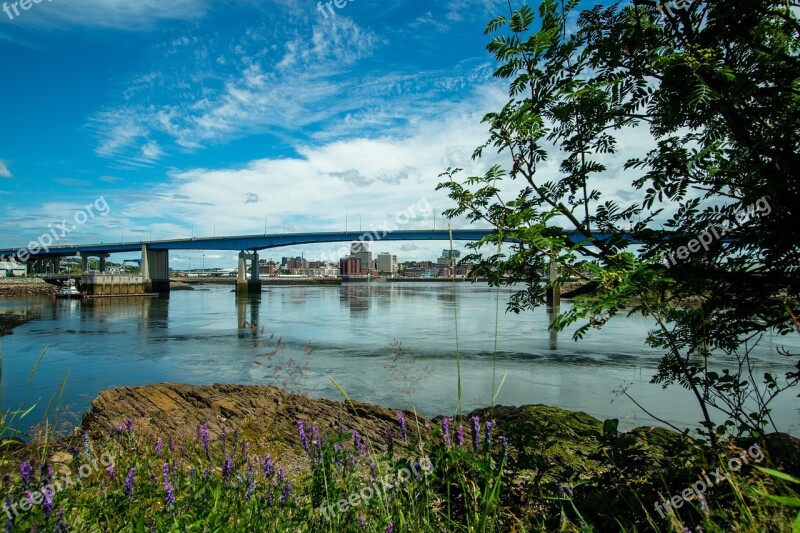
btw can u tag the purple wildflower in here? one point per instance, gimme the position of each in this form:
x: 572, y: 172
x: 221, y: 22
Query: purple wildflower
x: 269, y: 500
x: 564, y: 489
x: 362, y: 521
x: 315, y: 439
x: 129, y: 425
x: 25, y: 472
x: 61, y: 525
x: 47, y: 503
x: 504, y: 441
x: 29, y: 495
x: 202, y: 434
x: 390, y: 528
x: 475, y: 424
x: 269, y: 467
x: 402, y: 419
x: 111, y: 471
x: 129, y: 482
x: 119, y: 430
x: 303, y: 438
x: 281, y: 474
x: 45, y: 473
x: 169, y: 494
x: 446, y: 430
x: 159, y: 445
x: 357, y: 440
x: 227, y: 468
x: 489, y: 426
x: 166, y: 473
x: 223, y: 437
x: 460, y: 436
x: 251, y: 484
x: 287, y: 493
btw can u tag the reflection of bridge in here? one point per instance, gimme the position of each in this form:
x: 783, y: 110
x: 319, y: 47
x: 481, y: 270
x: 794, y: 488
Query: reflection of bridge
x: 155, y: 254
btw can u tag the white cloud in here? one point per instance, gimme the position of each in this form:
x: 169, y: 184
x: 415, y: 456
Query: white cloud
x: 4, y: 172
x: 368, y: 181
x: 111, y: 14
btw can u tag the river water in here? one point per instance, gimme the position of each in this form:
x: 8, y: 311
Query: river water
x: 393, y: 344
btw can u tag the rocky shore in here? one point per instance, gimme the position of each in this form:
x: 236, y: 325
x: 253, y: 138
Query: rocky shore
x: 21, y: 287
x: 9, y: 322
x: 571, y: 445
x: 549, y: 455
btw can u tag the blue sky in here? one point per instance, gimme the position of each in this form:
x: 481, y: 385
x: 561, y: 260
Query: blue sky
x: 199, y: 117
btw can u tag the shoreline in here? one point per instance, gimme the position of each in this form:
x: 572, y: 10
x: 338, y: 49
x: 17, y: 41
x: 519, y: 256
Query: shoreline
x: 10, y: 321
x: 266, y: 416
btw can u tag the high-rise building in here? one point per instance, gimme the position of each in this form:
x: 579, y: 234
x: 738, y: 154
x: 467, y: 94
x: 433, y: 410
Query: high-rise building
x: 449, y: 257
x: 360, y: 250
x: 349, y: 266
x: 357, y: 247
x: 387, y: 263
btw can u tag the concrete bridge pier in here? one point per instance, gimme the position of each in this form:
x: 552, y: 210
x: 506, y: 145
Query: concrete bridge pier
x: 85, y: 261
x: 155, y: 270
x: 243, y: 285
x: 553, y: 291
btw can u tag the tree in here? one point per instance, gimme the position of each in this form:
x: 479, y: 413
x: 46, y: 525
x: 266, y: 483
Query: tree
x: 716, y: 86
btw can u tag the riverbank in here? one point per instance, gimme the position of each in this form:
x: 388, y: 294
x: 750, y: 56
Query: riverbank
x: 528, y: 468
x: 264, y: 281
x: 22, y: 287
x: 9, y: 321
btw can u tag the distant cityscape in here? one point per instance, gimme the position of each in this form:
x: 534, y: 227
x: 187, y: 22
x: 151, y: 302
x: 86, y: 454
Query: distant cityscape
x: 360, y: 263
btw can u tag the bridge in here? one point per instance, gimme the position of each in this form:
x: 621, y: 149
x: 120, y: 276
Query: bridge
x: 154, y: 269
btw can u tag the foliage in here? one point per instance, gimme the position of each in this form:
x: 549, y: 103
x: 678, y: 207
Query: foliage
x: 716, y: 86
x: 225, y: 486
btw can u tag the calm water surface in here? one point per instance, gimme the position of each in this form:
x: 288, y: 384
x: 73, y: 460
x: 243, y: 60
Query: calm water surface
x: 390, y: 344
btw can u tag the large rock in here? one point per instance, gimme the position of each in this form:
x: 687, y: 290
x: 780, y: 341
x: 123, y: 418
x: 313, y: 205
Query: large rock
x: 9, y: 322
x: 266, y: 417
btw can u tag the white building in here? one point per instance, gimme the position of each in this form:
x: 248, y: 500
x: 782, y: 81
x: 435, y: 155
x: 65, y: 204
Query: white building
x: 9, y: 268
x: 387, y: 263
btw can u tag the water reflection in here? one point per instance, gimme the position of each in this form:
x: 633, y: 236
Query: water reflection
x: 386, y: 343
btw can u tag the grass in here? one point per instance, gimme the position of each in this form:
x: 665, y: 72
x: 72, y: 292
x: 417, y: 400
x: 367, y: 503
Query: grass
x: 127, y: 482
x: 556, y: 471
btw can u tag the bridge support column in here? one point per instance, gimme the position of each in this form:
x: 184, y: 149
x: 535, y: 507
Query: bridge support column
x: 155, y: 270
x: 553, y: 291
x: 103, y: 264
x: 243, y: 285
x: 84, y: 263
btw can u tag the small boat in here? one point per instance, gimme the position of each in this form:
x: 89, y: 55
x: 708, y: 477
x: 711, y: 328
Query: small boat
x: 70, y: 292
